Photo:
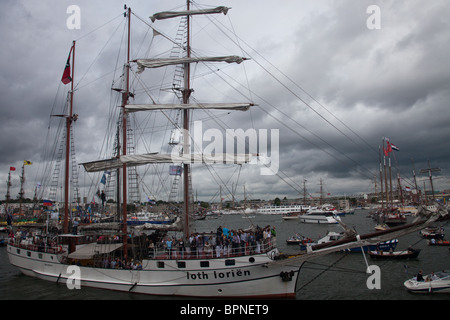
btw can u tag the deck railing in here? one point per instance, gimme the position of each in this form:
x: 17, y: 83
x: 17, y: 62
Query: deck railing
x: 161, y: 251
x: 203, y: 252
x: 28, y: 245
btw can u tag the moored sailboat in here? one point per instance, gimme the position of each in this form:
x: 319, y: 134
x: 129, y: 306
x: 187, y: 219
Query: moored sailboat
x: 234, y: 272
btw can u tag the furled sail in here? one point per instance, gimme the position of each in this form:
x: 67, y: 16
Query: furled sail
x: 173, y: 14
x: 153, y: 158
x: 162, y: 62
x: 223, y: 106
x: 136, y: 160
x: 102, y: 165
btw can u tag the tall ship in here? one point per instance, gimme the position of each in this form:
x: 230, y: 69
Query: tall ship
x: 116, y: 255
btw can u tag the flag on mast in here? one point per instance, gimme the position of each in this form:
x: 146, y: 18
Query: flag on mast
x: 394, y: 147
x: 66, y: 78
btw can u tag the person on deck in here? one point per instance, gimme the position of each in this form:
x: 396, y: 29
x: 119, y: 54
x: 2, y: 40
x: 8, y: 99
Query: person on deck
x: 419, y: 276
x: 103, y: 197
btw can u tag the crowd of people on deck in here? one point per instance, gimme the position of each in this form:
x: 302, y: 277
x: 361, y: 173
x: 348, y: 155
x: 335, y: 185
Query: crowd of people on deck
x: 26, y: 239
x: 223, y: 243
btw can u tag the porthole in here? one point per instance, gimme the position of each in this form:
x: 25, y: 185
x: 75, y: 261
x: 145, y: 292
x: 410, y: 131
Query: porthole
x: 251, y: 259
x: 204, y: 264
x: 230, y: 262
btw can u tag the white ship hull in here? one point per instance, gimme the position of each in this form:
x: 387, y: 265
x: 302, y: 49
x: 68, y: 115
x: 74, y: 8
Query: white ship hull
x: 260, y: 278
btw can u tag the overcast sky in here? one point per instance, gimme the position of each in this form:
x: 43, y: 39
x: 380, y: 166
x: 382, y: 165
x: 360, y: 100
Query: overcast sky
x: 335, y: 86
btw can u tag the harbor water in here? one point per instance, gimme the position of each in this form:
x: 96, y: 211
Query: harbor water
x: 337, y: 276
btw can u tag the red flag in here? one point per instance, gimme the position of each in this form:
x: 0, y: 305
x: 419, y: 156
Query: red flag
x: 66, y: 78
x: 12, y: 169
x: 394, y: 147
x: 389, y: 148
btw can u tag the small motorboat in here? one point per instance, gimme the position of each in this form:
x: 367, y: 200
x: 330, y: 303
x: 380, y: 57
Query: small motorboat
x: 291, y: 215
x: 438, y: 282
x: 299, y: 239
x: 319, y: 217
x: 438, y: 242
x: 381, y: 226
x: 410, y: 253
x: 384, y: 246
x: 433, y: 233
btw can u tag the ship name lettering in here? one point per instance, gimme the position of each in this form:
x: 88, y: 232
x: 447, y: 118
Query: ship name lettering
x: 202, y: 275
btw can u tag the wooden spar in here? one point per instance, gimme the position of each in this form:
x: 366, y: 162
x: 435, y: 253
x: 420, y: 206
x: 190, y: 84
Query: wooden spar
x: 8, y: 186
x: 124, y: 143
x: 186, y: 149
x: 385, y: 175
x: 354, y: 238
x: 68, y: 125
x: 381, y: 179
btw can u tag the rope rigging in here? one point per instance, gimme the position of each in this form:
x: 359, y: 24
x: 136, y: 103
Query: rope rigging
x: 268, y: 108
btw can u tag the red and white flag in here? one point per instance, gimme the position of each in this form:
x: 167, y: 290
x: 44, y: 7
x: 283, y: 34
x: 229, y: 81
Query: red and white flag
x: 66, y: 77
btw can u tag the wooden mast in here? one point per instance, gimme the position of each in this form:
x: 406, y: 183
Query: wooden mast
x: 68, y: 125
x: 186, y: 148
x: 124, y: 142
x: 381, y: 179
x: 385, y: 176
x: 8, y: 186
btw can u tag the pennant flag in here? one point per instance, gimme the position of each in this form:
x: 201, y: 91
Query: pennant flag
x: 393, y: 147
x: 12, y: 169
x: 103, y: 181
x: 47, y: 203
x: 408, y: 189
x: 27, y: 163
x: 66, y: 78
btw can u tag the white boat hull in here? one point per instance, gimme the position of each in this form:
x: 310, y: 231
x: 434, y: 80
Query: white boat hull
x: 427, y: 287
x: 317, y: 219
x: 260, y: 278
x: 440, y: 285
